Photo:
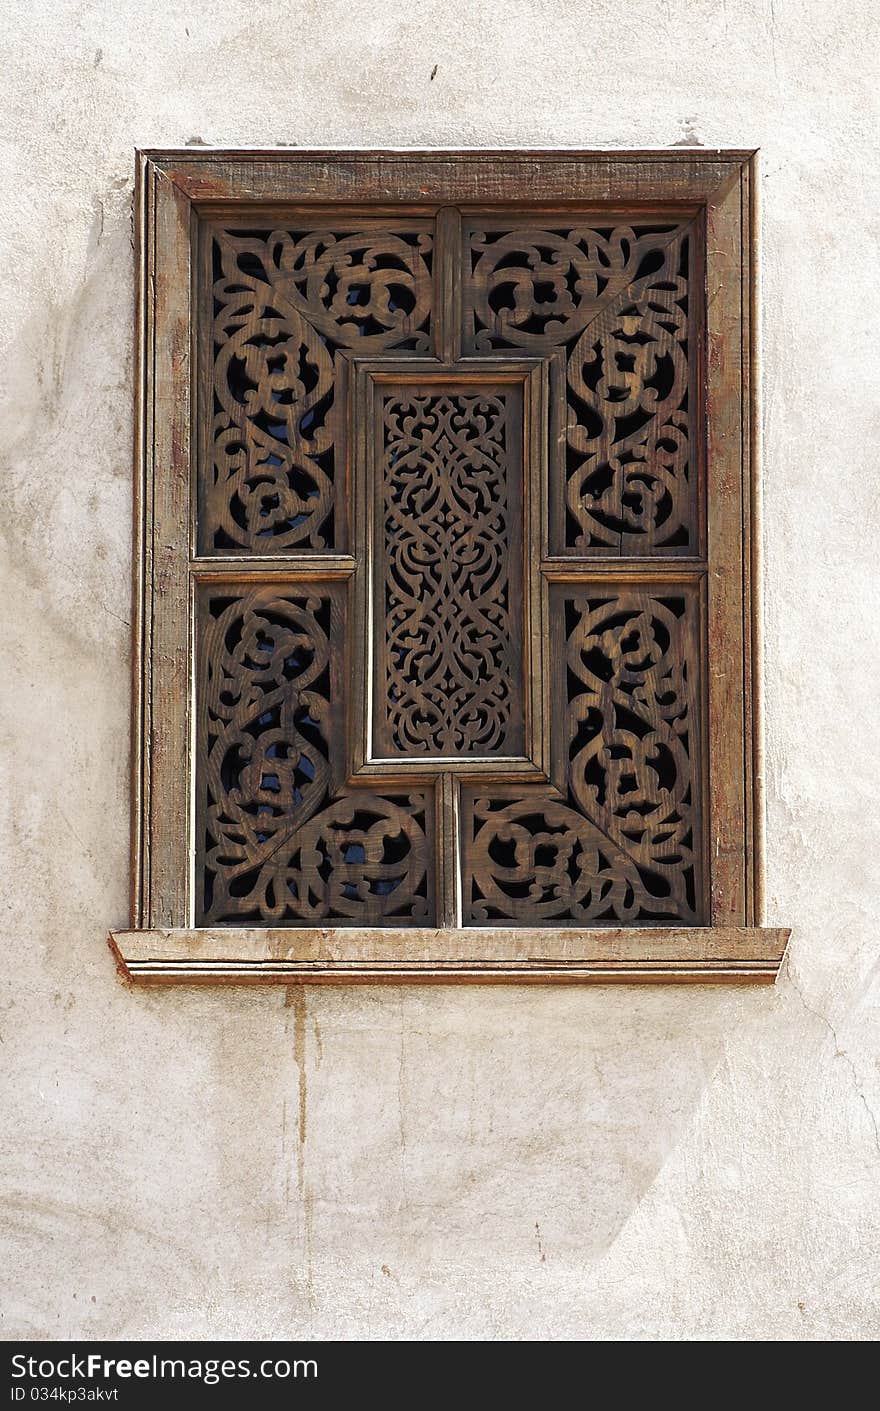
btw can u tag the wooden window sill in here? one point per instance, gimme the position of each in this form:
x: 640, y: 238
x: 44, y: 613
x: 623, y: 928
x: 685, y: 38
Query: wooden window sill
x: 491, y: 955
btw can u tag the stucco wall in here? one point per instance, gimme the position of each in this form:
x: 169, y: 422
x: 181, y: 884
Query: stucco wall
x: 440, y: 1163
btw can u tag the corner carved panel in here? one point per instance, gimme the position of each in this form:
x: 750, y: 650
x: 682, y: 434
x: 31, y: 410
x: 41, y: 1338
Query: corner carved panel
x: 287, y: 305
x: 617, y: 300
x: 282, y: 840
x: 617, y: 840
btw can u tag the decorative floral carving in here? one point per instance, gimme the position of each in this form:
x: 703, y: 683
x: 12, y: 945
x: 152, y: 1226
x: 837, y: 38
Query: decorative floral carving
x: 281, y: 845
x: 621, y: 845
x: 616, y: 301
x: 450, y: 640
x: 285, y: 837
x: 285, y: 304
x: 536, y: 862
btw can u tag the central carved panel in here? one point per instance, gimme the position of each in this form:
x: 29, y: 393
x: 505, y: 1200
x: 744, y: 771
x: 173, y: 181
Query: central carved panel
x: 448, y: 573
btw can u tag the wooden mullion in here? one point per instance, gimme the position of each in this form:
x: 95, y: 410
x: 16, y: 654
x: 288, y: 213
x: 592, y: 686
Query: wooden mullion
x: 447, y: 284
x: 447, y: 850
x: 626, y: 570
x: 697, y: 357
x: 536, y: 477
x: 203, y: 338
x: 276, y: 568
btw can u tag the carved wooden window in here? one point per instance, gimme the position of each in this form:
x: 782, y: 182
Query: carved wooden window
x: 446, y: 561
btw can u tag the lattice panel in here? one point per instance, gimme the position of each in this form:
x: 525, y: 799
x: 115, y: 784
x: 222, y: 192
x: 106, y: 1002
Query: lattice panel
x: 286, y: 304
x: 283, y: 841
x: 617, y: 840
x: 451, y: 555
x: 427, y: 693
x: 616, y: 300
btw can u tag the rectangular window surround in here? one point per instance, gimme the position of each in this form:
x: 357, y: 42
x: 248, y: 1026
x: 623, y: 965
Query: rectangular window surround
x: 446, y: 614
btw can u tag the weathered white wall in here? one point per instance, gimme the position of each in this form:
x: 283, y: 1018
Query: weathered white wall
x: 442, y: 1163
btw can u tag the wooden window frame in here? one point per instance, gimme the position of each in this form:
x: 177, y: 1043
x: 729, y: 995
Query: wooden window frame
x: 175, y: 190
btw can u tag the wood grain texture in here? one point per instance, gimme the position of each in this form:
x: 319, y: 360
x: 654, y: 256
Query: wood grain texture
x: 672, y: 955
x: 622, y: 285
x: 162, y: 517
x: 473, y: 176
x: 752, y: 522
x: 731, y: 784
